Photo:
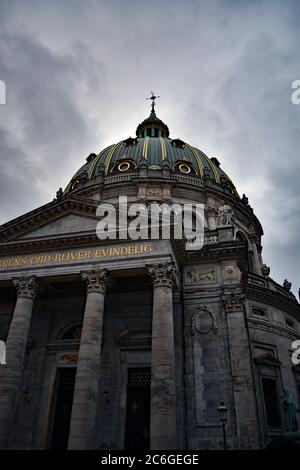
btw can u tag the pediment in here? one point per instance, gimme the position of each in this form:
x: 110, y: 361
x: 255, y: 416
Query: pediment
x: 64, y: 225
x: 60, y: 218
x: 268, y: 359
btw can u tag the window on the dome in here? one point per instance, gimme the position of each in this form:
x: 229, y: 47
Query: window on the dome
x: 184, y: 167
x: 227, y: 184
x: 215, y: 161
x: 123, y: 165
x: 130, y: 141
x: 178, y: 143
x: 91, y: 157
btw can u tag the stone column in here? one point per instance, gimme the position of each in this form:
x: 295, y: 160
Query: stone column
x: 11, y: 373
x: 84, y: 410
x: 163, y: 380
x: 212, y: 214
x: 241, y: 372
x: 256, y: 260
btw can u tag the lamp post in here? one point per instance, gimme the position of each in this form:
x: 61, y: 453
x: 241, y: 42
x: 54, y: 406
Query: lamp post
x: 223, y: 413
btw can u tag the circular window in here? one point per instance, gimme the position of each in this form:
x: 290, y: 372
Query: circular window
x: 184, y: 168
x: 124, y: 166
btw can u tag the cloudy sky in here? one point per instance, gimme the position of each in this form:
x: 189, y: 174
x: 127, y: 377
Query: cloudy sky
x: 77, y: 74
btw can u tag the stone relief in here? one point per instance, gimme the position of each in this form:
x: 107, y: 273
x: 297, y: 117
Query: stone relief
x: 154, y: 191
x: 196, y: 276
x: 231, y: 271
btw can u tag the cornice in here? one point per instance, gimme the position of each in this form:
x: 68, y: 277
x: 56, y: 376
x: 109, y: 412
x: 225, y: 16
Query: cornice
x: 44, y: 244
x: 273, y: 298
x: 271, y: 328
x: 216, y: 251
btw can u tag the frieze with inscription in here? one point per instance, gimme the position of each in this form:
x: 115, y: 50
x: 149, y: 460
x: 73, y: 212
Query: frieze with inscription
x: 65, y: 257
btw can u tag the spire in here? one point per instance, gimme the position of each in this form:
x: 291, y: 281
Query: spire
x: 152, y: 126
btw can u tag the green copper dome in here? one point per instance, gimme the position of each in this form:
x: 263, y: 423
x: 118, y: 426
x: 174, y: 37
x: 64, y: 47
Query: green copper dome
x: 152, y: 147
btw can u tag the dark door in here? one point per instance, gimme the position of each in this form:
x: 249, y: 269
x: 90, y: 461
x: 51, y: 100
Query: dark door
x: 271, y: 399
x: 137, y: 434
x: 63, y: 399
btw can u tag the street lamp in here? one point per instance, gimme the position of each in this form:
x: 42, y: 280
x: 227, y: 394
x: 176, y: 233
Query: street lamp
x: 223, y: 413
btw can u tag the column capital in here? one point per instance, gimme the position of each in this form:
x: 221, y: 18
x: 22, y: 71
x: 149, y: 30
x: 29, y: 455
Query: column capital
x: 26, y: 286
x: 233, y: 301
x: 163, y: 274
x: 96, y: 280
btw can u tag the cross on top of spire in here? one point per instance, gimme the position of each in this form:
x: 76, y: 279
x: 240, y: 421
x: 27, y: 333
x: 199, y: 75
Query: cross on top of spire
x: 152, y: 126
x: 153, y: 97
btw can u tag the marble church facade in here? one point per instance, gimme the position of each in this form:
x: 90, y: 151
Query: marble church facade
x: 127, y: 344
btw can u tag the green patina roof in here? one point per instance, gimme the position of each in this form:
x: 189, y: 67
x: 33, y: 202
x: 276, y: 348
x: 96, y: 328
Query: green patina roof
x: 152, y: 145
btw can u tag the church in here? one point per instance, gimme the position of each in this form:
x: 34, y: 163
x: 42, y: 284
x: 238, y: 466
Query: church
x: 143, y: 344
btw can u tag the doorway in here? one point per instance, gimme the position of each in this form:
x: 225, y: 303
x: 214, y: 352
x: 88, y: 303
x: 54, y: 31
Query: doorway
x: 62, y: 407
x: 137, y: 433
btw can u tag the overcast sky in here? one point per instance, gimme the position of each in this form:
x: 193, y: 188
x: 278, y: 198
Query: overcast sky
x: 78, y: 72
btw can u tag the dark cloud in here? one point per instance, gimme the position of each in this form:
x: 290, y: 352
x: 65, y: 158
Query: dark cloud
x: 44, y: 134
x: 77, y: 74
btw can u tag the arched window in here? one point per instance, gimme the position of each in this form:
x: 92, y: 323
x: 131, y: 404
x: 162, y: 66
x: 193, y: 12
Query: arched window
x: 73, y: 333
x: 240, y: 237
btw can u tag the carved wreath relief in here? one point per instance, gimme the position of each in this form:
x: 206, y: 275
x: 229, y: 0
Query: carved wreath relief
x: 203, y: 321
